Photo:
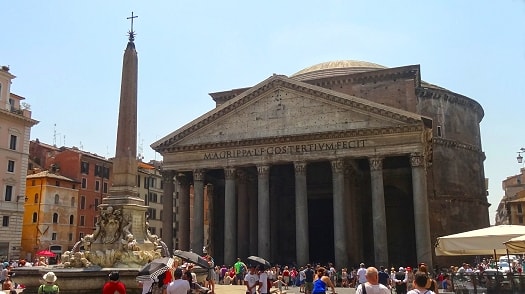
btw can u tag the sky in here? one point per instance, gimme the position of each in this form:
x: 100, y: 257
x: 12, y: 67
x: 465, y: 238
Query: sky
x: 67, y: 56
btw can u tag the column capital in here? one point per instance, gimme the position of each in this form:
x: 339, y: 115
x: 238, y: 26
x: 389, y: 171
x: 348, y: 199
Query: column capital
x: 416, y: 160
x: 182, y: 178
x: 338, y: 165
x: 376, y: 163
x: 300, y: 167
x: 242, y: 175
x: 167, y: 175
x: 198, y: 175
x: 229, y: 173
x: 263, y: 170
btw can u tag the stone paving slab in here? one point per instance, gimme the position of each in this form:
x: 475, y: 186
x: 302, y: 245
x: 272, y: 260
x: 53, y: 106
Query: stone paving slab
x: 234, y: 289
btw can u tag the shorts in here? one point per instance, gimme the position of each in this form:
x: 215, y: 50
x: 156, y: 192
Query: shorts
x: 308, y: 286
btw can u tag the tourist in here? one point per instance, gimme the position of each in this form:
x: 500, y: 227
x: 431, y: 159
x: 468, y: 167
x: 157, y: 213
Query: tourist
x: 8, y: 285
x: 361, y: 275
x: 264, y: 287
x: 372, y: 284
x: 240, y: 270
x: 279, y: 284
x: 383, y: 277
x: 400, y: 281
x: 420, y: 281
x: 210, y: 278
x: 321, y: 282
x: 48, y: 286
x: 114, y: 285
x: 286, y: 277
x: 308, y: 279
x: 251, y: 280
x: 431, y: 283
x: 178, y: 285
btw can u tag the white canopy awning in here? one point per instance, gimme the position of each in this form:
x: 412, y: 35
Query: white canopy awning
x: 487, y: 241
x: 516, y: 245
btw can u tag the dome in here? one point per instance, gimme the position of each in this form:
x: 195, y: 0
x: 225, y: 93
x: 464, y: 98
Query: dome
x: 335, y: 68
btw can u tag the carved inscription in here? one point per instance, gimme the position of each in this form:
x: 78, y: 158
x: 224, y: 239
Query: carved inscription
x: 285, y: 149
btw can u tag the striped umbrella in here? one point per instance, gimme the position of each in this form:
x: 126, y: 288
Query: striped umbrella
x: 155, y: 268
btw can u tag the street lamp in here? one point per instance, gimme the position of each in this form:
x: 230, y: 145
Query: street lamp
x: 519, y: 157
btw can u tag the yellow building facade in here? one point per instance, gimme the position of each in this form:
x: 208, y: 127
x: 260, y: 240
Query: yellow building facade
x: 50, y: 214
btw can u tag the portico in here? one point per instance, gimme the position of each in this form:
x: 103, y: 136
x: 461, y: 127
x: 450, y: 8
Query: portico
x: 300, y: 174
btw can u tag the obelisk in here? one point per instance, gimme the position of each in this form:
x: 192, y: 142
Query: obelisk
x: 123, y: 194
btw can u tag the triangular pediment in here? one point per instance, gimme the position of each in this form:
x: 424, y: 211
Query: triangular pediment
x: 283, y: 107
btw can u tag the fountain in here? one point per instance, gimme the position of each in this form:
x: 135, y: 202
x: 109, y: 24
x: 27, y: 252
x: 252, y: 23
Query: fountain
x: 121, y: 240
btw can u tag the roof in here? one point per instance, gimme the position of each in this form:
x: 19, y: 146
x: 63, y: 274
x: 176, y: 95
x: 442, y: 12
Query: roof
x: 335, y: 68
x: 48, y: 174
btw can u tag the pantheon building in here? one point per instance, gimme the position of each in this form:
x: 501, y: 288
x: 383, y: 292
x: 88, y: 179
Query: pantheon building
x: 344, y: 162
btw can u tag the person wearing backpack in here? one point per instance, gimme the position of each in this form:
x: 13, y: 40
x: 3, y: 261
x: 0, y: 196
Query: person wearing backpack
x: 49, y: 287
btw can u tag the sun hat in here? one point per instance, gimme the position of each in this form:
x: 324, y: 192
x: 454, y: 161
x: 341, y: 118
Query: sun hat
x: 50, y: 277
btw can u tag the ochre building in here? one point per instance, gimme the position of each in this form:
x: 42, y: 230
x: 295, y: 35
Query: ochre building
x: 343, y: 162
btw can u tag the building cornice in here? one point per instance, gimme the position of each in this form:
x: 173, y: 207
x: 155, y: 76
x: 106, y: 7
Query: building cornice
x: 388, y: 74
x: 19, y: 117
x: 455, y: 144
x: 299, y: 138
x: 451, y: 97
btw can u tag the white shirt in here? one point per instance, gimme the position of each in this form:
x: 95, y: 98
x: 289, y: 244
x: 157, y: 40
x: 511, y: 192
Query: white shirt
x: 373, y: 289
x: 361, y: 275
x: 178, y: 286
x: 251, y: 280
x: 263, y: 280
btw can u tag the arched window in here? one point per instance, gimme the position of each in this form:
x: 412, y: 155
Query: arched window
x: 35, y: 217
x: 72, y: 201
x: 57, y: 199
x: 71, y: 219
x: 55, y: 218
x: 36, y: 198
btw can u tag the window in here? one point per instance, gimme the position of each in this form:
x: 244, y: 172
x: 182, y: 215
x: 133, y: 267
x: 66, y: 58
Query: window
x: 5, y: 221
x: 72, y: 201
x: 12, y: 142
x: 520, y: 219
x: 35, y: 217
x: 84, y: 183
x: 82, y: 202
x: 138, y: 181
x: 70, y: 237
x: 84, y: 167
x: 82, y: 220
x: 105, y: 188
x: 520, y: 209
x: 97, y: 185
x: 57, y: 199
x: 33, y: 182
x: 36, y: 198
x: 57, y: 183
x: 55, y: 218
x: 439, y: 131
x: 71, y: 220
x: 8, y: 192
x: 73, y: 186
x: 11, y: 166
x: 53, y: 236
x: 96, y: 203
x: 81, y: 235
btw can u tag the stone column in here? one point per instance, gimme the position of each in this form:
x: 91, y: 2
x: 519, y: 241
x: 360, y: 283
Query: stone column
x: 338, y: 178
x: 183, y: 212
x: 301, y: 214
x: 167, y: 208
x: 421, y: 215
x: 230, y: 217
x: 378, y: 212
x: 263, y: 210
x: 197, y: 231
x: 243, y: 215
x: 252, y: 181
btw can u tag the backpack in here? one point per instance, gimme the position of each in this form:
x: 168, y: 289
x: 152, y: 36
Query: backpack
x: 43, y: 290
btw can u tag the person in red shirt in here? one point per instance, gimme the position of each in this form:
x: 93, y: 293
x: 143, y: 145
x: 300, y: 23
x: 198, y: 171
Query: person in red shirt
x: 114, y: 286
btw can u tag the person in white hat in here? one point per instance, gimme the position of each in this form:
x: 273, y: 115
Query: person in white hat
x: 49, y: 286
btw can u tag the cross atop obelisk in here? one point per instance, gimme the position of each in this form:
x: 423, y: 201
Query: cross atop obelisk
x: 131, y: 32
